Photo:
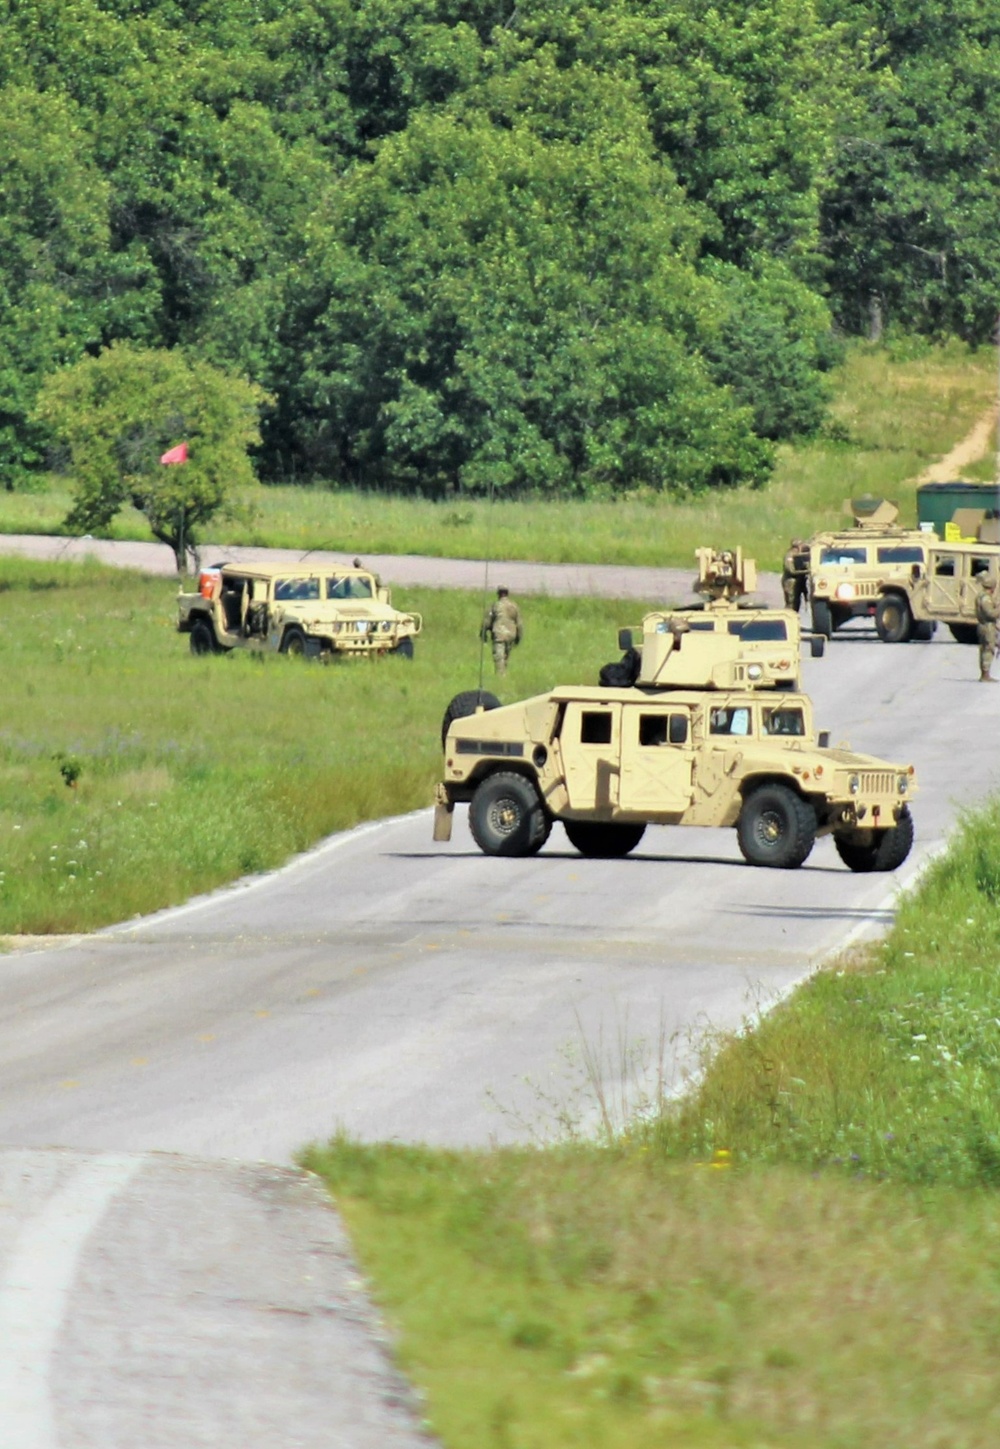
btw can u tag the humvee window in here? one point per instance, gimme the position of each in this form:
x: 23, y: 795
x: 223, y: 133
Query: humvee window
x: 759, y: 629
x: 901, y: 553
x: 595, y: 728
x: 730, y: 721
x: 979, y: 566
x: 706, y: 626
x: 945, y: 568
x: 783, y: 722
x: 837, y: 555
x: 286, y: 590
x: 349, y: 588
x: 653, y: 729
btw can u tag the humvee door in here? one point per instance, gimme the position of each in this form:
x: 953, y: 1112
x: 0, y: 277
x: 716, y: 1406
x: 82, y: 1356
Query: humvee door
x: 656, y: 757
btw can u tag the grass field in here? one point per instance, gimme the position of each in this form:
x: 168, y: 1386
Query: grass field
x: 135, y: 776
x: 805, y: 1252
x: 893, y: 413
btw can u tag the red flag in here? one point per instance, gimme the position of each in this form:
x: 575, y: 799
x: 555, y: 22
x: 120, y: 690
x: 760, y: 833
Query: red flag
x: 175, y: 455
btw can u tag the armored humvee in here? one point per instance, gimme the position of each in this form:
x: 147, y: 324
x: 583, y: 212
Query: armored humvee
x: 769, y: 639
x: 847, y: 568
x: 317, y: 611
x: 719, y: 748
x: 941, y: 590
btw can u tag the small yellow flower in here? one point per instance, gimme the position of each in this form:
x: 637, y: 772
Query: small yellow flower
x: 721, y: 1157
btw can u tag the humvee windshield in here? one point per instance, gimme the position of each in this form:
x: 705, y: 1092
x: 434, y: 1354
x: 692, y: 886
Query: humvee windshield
x: 786, y: 721
x: 836, y: 555
x: 751, y: 629
x: 286, y: 590
x: 735, y: 721
x: 351, y: 587
x: 901, y: 553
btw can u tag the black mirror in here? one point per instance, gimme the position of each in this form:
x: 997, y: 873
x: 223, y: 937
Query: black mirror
x: 678, y: 729
x: 824, y: 739
x: 817, y: 646
x: 624, y: 638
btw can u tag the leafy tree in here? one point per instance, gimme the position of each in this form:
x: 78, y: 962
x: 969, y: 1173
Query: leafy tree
x: 117, y: 413
x: 506, y: 296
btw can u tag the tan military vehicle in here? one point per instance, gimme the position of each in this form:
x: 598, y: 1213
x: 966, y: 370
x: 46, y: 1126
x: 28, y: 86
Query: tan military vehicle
x: 847, y: 568
x: 715, y: 750
x: 769, y: 639
x: 941, y: 590
x: 316, y: 611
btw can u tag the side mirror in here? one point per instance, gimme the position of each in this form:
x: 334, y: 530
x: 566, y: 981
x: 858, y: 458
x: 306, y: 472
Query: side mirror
x: 624, y: 639
x: 678, y: 729
x: 817, y: 646
x: 824, y: 739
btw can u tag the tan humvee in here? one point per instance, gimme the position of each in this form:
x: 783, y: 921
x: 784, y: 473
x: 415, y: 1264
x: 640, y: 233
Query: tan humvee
x: 847, y: 567
x: 606, y: 762
x: 768, y: 650
x: 296, y: 609
x: 941, y: 590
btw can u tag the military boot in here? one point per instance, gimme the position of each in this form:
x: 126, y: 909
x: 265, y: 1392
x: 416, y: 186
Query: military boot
x: 987, y: 678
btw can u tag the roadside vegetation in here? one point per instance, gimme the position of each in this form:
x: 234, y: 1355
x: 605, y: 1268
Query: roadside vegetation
x: 136, y: 776
x: 895, y: 409
x: 805, y: 1251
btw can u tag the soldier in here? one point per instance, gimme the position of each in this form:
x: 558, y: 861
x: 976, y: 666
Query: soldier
x: 793, y: 575
x: 502, y: 624
x: 987, y: 614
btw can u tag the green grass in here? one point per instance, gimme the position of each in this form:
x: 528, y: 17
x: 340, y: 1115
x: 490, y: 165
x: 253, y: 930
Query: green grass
x: 135, y: 776
x: 803, y: 1252
x: 895, y: 410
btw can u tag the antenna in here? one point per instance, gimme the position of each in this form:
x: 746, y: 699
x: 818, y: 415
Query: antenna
x: 486, y: 578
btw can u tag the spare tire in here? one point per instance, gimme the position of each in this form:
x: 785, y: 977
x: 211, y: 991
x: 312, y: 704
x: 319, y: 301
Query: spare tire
x: 465, y: 704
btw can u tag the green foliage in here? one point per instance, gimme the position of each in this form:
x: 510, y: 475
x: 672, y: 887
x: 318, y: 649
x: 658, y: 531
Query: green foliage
x: 118, y: 412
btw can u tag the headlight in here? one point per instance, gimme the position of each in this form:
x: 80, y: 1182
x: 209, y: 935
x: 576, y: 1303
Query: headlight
x: 854, y: 784
x: 845, y: 591
x: 336, y: 628
x: 386, y: 625
x: 754, y: 671
x: 903, y: 784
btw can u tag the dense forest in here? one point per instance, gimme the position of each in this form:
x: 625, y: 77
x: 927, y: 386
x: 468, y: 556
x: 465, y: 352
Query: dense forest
x: 546, y: 245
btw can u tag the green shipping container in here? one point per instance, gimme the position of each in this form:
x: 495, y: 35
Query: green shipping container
x: 936, y: 502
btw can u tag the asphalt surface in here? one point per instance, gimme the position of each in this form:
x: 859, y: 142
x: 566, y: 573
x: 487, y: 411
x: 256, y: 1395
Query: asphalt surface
x: 399, y: 989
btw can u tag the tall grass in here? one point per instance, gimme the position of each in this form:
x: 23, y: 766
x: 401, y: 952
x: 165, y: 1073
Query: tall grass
x: 894, y: 411
x: 135, y: 776
x: 805, y: 1252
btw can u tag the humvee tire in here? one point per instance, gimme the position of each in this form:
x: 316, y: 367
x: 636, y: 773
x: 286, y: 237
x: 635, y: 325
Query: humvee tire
x: 893, y: 619
x: 886, y: 851
x: 604, y: 840
x: 964, y: 633
x: 294, y: 644
x: 465, y: 704
x: 404, y: 649
x: 924, y: 630
x: 203, y: 638
x: 776, y: 827
x: 507, y: 817
x: 822, y: 619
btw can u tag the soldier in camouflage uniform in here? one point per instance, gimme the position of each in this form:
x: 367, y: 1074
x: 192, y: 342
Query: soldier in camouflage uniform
x: 987, y: 613
x: 794, y: 574
x: 502, y: 624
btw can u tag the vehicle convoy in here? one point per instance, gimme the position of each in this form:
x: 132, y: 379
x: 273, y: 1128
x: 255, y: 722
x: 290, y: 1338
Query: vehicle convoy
x: 847, y: 568
x: 318, y: 612
x: 942, y: 590
x: 711, y: 745
x: 770, y: 639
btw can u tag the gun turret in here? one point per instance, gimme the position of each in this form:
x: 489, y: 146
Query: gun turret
x: 724, y: 575
x: 871, y: 512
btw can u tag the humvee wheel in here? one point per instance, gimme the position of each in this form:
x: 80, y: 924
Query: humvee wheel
x: 776, y: 827
x: 822, y: 619
x: 964, y: 633
x: 465, y: 704
x: 294, y: 643
x: 886, y: 850
x: 893, y: 620
x: 202, y: 638
x: 404, y: 649
x: 605, y: 840
x: 507, y: 816
x: 925, y: 630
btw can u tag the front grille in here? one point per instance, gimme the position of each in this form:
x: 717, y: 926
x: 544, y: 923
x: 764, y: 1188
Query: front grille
x: 878, y: 782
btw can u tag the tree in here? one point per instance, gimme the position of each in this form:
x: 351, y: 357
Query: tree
x: 117, y: 413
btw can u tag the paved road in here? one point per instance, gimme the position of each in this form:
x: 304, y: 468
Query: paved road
x: 402, y: 990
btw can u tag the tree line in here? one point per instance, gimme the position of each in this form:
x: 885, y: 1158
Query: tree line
x: 538, y: 245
